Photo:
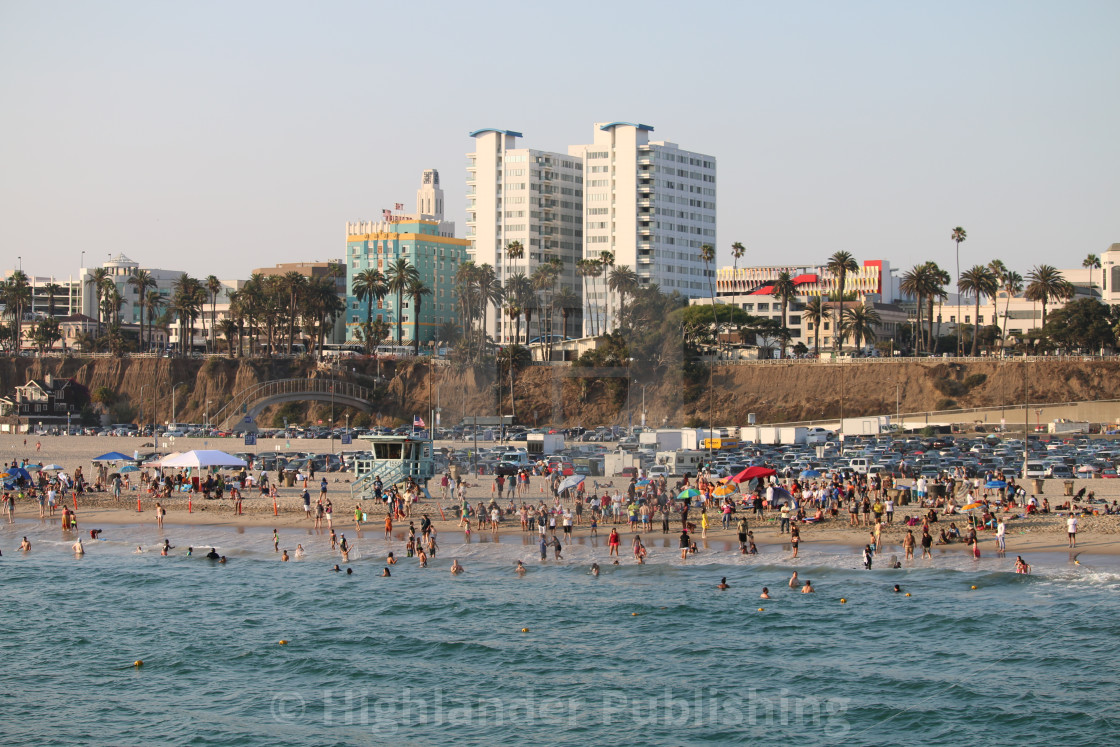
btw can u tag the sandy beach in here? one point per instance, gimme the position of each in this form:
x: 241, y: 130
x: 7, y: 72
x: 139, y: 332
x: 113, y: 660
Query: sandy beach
x: 1039, y: 533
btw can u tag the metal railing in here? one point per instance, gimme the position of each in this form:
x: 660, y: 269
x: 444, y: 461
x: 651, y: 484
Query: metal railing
x: 232, y: 410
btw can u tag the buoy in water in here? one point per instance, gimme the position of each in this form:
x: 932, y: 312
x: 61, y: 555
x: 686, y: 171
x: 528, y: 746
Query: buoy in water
x: 974, y: 588
x: 760, y: 609
x: 907, y: 593
x: 283, y: 643
x: 138, y: 663
x: 843, y: 600
x: 633, y: 614
x: 524, y: 630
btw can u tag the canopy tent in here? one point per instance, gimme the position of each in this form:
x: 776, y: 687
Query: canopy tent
x: 158, y: 461
x: 781, y: 497
x: 199, y: 458
x: 751, y: 473
x: 112, y: 456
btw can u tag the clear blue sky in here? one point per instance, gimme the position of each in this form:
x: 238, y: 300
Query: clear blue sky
x: 215, y: 137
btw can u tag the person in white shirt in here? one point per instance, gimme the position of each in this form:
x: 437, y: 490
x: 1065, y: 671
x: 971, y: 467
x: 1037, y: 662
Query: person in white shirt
x: 1001, y: 532
x: 1071, y: 528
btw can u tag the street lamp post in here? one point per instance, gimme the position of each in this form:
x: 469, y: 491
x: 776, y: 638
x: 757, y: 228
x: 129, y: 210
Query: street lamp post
x: 142, y: 388
x: 643, y: 406
x: 208, y: 412
x: 174, y: 392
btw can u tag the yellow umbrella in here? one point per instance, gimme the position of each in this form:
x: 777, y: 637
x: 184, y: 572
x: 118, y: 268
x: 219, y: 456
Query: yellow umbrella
x: 725, y: 490
x: 971, y: 506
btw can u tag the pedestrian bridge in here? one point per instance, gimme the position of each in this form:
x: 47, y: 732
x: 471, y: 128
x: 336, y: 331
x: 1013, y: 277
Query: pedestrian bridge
x: 248, y: 403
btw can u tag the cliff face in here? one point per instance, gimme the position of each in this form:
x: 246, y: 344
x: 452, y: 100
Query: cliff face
x: 550, y: 395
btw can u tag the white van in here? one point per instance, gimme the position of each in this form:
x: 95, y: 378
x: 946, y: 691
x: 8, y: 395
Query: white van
x: 517, y: 457
x: 859, y: 465
x: 1036, y: 470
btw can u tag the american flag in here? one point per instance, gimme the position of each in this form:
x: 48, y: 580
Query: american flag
x: 417, y: 422
x: 400, y: 205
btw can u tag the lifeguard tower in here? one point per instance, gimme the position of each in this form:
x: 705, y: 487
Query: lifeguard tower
x: 394, y: 459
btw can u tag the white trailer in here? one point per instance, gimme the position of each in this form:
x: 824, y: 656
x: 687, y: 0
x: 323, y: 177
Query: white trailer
x: 544, y: 444
x: 681, y: 461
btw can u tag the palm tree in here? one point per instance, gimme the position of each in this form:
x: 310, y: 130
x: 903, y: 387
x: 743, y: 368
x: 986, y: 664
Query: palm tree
x: 1012, y: 286
x: 321, y: 306
x: 152, y: 303
x: 708, y: 256
x: 567, y: 301
x: 585, y: 268
x: 52, y: 289
x: 815, y: 312
x: 958, y: 236
x: 518, y: 293
x: 142, y: 282
x: 97, y: 279
x: 295, y: 283
x: 187, y: 300
x: 623, y: 281
x: 859, y: 322
x: 416, y: 291
x: 606, y: 266
x: 213, y: 287
x: 840, y: 264
x: 737, y: 253
x: 914, y: 283
x: 784, y: 291
x: 1047, y: 284
x: 397, y: 279
x: 979, y: 281
x: 228, y: 327
x: 1092, y: 262
x: 17, y: 297
x: 999, y: 269
x: 515, y: 250
x: 938, y: 279
x: 490, y: 292
x: 368, y: 285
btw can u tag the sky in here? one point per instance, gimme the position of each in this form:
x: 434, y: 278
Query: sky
x: 216, y: 137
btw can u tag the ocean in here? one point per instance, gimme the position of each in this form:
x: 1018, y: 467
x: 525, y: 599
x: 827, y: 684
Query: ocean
x: 651, y: 654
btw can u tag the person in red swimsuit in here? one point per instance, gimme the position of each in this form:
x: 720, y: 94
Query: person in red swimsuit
x: 613, y: 542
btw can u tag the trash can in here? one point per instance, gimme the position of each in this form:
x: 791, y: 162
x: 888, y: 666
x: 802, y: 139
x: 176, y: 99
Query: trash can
x: 1036, y: 486
x: 1068, y: 484
x: 289, y: 478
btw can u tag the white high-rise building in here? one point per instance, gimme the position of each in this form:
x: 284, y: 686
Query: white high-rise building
x: 534, y: 198
x: 652, y: 205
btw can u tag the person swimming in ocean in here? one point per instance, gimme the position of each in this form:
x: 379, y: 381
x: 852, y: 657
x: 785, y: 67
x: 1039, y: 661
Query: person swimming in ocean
x: 723, y: 583
x: 336, y: 569
x: 456, y: 568
x: 896, y: 589
x: 385, y: 572
x: 807, y: 588
x: 765, y: 593
x: 594, y: 569
x: 793, y: 580
x: 1021, y: 566
x: 77, y: 547
x: 213, y: 554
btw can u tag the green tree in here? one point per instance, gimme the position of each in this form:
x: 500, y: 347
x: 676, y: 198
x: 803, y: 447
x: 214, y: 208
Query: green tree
x: 228, y: 327
x: 45, y: 334
x: 97, y: 279
x: 17, y: 297
x: 52, y: 289
x: 708, y: 257
x: 1084, y: 324
x: 979, y: 281
x: 519, y: 296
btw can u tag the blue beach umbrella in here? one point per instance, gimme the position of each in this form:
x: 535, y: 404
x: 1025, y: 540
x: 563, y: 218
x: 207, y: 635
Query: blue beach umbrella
x: 688, y: 493
x: 810, y: 473
x: 995, y: 484
x: 112, y: 456
x: 129, y: 468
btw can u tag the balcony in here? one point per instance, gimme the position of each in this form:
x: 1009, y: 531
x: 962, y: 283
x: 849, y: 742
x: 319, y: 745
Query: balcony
x: 645, y: 160
x: 645, y: 202
x: 645, y: 187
